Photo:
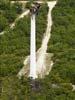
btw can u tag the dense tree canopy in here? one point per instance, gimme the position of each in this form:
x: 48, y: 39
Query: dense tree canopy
x: 3, y: 23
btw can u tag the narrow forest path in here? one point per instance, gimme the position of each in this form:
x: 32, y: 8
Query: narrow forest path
x: 21, y: 16
x: 18, y: 18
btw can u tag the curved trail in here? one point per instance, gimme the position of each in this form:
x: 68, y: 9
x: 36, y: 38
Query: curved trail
x: 13, y: 24
x: 21, y: 16
x: 43, y: 49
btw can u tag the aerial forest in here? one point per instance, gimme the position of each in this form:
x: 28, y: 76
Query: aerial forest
x: 15, y: 46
